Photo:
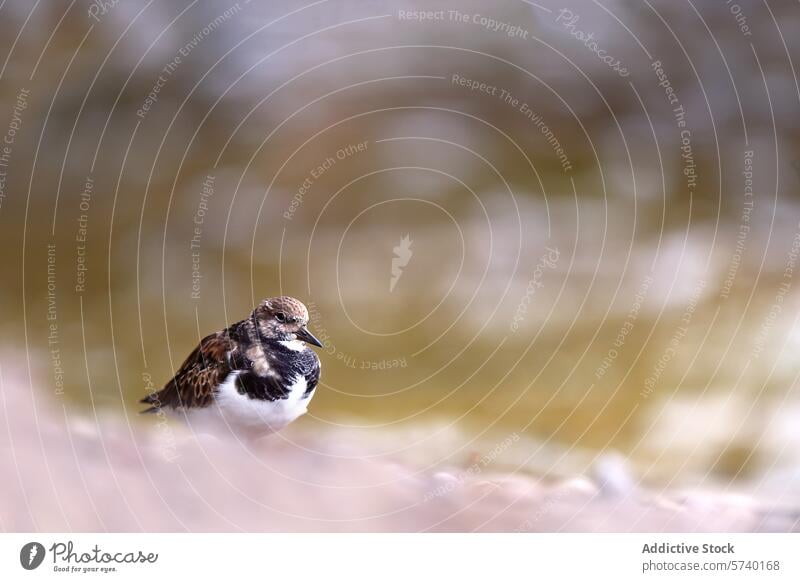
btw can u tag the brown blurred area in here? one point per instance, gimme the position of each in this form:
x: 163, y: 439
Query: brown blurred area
x: 579, y: 270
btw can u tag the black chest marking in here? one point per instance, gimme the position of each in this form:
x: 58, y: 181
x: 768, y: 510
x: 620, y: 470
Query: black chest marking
x: 284, y: 367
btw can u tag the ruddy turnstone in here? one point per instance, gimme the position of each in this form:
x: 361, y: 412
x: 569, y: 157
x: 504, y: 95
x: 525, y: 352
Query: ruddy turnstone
x: 252, y: 378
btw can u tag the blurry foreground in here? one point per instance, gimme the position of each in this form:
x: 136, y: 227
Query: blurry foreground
x: 72, y: 473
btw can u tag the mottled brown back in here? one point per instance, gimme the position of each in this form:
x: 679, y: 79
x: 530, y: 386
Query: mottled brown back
x: 194, y: 382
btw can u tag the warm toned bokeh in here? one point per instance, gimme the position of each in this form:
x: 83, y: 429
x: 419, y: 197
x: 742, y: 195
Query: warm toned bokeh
x: 497, y: 232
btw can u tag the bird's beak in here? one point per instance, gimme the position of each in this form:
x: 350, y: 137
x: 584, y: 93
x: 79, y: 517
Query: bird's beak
x: 306, y: 336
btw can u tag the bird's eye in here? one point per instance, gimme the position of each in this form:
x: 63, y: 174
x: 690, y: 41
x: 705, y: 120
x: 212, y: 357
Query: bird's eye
x: 280, y: 317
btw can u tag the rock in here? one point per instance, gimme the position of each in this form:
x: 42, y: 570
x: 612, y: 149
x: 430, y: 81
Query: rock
x: 613, y: 476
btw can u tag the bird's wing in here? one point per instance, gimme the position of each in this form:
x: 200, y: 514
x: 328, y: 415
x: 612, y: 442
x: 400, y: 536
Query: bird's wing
x: 198, y: 377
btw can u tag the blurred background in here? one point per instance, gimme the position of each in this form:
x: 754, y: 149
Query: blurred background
x: 574, y: 225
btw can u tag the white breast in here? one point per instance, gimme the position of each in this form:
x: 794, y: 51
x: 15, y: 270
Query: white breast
x: 240, y: 414
x: 294, y: 345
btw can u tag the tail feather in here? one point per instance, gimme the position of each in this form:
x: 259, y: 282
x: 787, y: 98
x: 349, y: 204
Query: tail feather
x: 151, y: 399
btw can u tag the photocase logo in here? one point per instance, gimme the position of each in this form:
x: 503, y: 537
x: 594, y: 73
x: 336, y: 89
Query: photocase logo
x: 31, y: 555
x: 402, y: 255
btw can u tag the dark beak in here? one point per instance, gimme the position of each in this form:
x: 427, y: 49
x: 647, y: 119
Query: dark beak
x: 306, y: 336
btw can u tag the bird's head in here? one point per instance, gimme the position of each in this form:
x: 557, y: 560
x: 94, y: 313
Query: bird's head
x: 284, y: 319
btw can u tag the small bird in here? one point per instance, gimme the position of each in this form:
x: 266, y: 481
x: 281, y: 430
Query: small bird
x: 250, y: 379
